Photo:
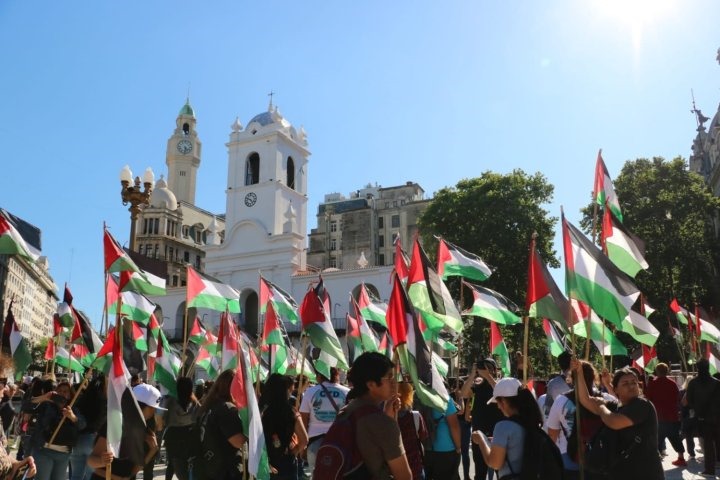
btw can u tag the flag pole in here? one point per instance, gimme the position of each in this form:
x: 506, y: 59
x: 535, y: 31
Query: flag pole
x: 185, y: 332
x: 526, y: 321
x: 82, y: 387
x: 301, y: 375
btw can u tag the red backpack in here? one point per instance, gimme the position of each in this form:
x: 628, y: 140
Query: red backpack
x: 338, y: 457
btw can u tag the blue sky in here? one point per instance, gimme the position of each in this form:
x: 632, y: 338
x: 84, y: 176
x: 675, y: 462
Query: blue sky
x: 387, y: 91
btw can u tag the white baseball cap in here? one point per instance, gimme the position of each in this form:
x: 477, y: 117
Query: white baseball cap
x: 505, y: 387
x: 148, y: 395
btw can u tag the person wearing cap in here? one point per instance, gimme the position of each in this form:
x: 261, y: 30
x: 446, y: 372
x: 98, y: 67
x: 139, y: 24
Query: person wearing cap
x: 134, y: 438
x: 504, y: 452
x: 477, y: 390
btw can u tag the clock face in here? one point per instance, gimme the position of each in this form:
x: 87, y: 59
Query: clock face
x: 250, y: 199
x: 184, y: 146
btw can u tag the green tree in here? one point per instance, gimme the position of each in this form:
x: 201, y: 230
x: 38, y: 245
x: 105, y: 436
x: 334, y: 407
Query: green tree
x: 37, y: 352
x: 672, y: 210
x: 494, y: 216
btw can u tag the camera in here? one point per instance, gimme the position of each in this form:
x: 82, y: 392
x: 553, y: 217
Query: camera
x: 481, y: 365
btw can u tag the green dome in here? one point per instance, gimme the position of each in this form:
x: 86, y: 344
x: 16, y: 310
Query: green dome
x: 187, y: 110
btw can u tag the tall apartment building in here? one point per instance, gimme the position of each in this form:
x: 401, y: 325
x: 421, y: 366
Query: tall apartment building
x: 28, y: 286
x: 360, y: 230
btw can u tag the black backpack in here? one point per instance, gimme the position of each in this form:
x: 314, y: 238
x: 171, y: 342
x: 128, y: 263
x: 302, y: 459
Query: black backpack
x: 541, y: 459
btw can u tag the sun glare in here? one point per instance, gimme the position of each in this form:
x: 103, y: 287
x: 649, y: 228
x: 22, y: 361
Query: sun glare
x: 636, y: 15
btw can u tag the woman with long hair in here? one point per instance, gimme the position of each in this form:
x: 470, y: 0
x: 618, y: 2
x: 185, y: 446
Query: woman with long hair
x: 285, y: 435
x: 180, y: 421
x: 504, y: 454
x: 635, y: 423
x: 52, y: 455
x: 412, y: 430
x: 222, y: 433
x: 377, y: 434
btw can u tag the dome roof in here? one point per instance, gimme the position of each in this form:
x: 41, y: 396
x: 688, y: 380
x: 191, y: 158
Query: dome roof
x: 187, y: 109
x: 263, y: 119
x: 162, y: 196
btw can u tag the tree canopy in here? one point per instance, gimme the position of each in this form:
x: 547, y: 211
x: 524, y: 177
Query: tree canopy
x: 494, y: 216
x: 672, y: 210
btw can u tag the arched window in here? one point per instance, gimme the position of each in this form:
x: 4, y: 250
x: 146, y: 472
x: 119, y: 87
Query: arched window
x: 186, y: 129
x: 252, y: 169
x: 250, y: 312
x: 290, y: 173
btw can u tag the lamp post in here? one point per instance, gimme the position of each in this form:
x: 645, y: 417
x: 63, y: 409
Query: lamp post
x: 135, y: 196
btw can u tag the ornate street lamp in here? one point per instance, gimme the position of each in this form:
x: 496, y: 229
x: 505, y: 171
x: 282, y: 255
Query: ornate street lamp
x: 137, y: 198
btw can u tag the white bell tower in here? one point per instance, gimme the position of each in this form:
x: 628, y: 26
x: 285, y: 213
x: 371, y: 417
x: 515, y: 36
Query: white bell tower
x: 266, y: 210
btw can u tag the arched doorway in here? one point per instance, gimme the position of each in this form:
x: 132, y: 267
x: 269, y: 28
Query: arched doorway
x: 250, y: 313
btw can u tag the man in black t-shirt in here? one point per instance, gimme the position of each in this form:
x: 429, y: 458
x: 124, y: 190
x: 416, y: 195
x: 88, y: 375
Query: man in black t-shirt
x: 221, y: 429
x: 478, y: 389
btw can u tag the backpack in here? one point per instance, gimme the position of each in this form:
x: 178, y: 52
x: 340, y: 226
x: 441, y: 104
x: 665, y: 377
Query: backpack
x: 590, y: 424
x: 603, y: 453
x: 206, y: 453
x: 541, y: 459
x: 338, y: 456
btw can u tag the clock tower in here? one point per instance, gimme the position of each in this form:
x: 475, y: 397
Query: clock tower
x: 183, y: 155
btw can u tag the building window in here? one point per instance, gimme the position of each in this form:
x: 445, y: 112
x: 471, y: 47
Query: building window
x: 402, y: 202
x: 381, y: 222
x: 333, y: 262
x: 381, y: 259
x: 252, y: 169
x: 197, y: 262
x: 387, y: 204
x: 394, y: 203
x: 333, y: 244
x: 172, y: 254
x: 290, y: 173
x: 381, y: 241
x: 333, y: 226
x: 175, y: 281
x: 395, y: 221
x: 186, y: 257
x: 181, y: 173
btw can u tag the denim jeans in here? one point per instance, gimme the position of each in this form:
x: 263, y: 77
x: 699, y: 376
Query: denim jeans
x: 51, y: 465
x: 80, y: 470
x: 465, y: 434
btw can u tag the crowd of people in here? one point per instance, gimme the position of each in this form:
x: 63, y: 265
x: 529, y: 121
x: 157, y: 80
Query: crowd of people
x: 607, y: 425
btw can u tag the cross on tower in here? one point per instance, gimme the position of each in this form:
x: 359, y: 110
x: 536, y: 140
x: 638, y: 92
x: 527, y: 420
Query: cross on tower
x: 271, y: 95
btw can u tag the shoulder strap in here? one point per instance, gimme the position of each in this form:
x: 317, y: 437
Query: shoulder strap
x: 329, y: 396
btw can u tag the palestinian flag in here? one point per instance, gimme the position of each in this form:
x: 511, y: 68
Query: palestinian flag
x: 294, y: 369
x: 316, y: 323
x: 593, y: 279
x: 601, y: 335
x: 167, y: 367
x: 138, y: 336
x: 208, y: 362
x: 680, y: 312
x: 205, y: 293
x: 142, y: 282
x: 272, y: 332
x: 125, y: 422
x: 646, y: 359
x: 243, y: 394
x: 371, y: 308
x: 428, y: 293
x: 227, y: 342
x: 647, y: 309
x: 603, y: 190
x: 83, y: 334
x: 324, y: 363
x: 640, y: 328
x: 66, y: 312
x: 441, y: 365
x: 279, y: 361
x: 68, y: 361
x: 412, y: 349
x: 16, y: 344
x: 58, y: 329
x: 556, y: 344
x: 454, y: 261
x: 493, y: 306
x: 12, y: 243
x: 198, y: 333
x: 714, y: 363
x: 134, y: 305
x: 116, y: 258
x: 360, y: 334
x: 401, y: 261
x: 50, y: 350
x: 544, y: 299
x: 624, y: 249
x: 283, y: 304
x: 499, y: 349
x: 153, y: 339
x: 385, y: 345
x: 708, y: 331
